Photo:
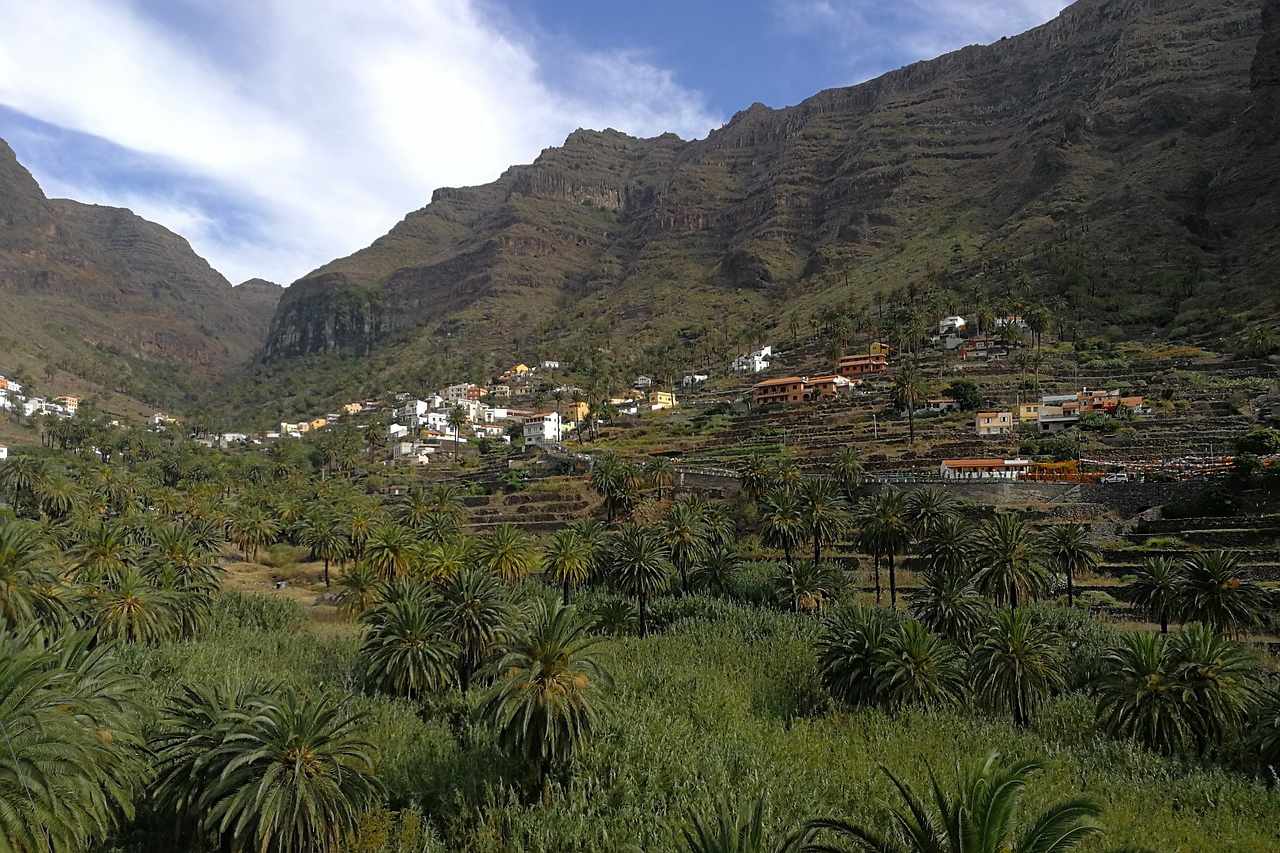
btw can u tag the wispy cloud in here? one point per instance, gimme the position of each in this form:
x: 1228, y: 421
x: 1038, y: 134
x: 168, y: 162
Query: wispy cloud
x: 292, y: 133
x: 875, y: 35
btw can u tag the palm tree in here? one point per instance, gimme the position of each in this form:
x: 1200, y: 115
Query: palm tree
x: 26, y: 584
x: 1264, y: 730
x: 1017, y: 664
x: 949, y: 605
x: 684, y: 531
x: 1165, y: 692
x: 757, y: 477
x: 407, y: 649
x: 948, y: 549
x: 886, y: 532
x: 57, y: 495
x: 508, y: 552
x: 391, y: 551
x: 661, y: 473
x: 103, y: 552
x: 437, y: 527
x: 806, y: 587
x: 1212, y: 589
x: 732, y: 831
x: 915, y: 667
x: 129, y: 609
x: 614, y: 480
x: 910, y: 388
x: 322, y: 533
x: 413, y: 509
x: 265, y: 772
x: 359, y: 584
x: 1068, y: 548
x: 541, y: 708
x: 979, y: 817
x: 641, y: 566
x: 849, y: 471
x: 71, y: 753
x: 1156, y: 590
x: 824, y: 512
x: 457, y: 420
x: 927, y: 511
x: 476, y: 607
x: 444, y: 560
x: 566, y: 560
x: 1009, y: 561
x: 782, y: 521
x: 596, y: 537
x: 849, y: 647
x: 250, y: 528
x: 717, y: 570
x: 20, y: 476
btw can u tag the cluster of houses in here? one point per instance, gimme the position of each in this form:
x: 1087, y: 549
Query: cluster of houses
x: 1058, y: 412
x: 14, y: 400
x: 850, y: 371
x: 953, y: 336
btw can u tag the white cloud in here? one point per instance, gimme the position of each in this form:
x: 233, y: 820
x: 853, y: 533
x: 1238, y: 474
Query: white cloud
x: 872, y: 31
x: 342, y: 118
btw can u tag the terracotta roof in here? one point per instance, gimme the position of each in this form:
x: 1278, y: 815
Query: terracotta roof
x: 982, y: 463
x: 786, y: 380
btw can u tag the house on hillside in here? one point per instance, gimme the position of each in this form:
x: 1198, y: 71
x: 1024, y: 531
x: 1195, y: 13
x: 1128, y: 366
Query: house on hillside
x: 319, y: 423
x: 659, y: 400
x: 756, y: 361
x: 549, y: 364
x: 786, y: 390
x: 71, y: 404
x: 571, y: 412
x: 829, y: 387
x: 542, y: 429
x: 941, y: 404
x: 500, y: 392
x: 694, y: 379
x: 643, y: 382
x: 4, y: 452
x: 994, y: 423
x: 352, y: 408
x: 858, y: 366
x: 879, y: 348
x: 953, y: 325
x: 1028, y: 412
x: 984, y: 469
x: 983, y: 346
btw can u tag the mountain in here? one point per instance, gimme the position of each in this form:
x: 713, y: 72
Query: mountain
x: 97, y: 300
x: 1118, y: 162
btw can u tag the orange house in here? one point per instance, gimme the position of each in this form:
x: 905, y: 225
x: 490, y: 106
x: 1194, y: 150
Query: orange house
x: 788, y: 389
x: 855, y: 366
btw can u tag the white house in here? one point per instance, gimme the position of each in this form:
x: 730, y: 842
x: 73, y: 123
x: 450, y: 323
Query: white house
x: 33, y: 406
x: 694, y: 379
x: 412, y: 410
x: 397, y: 430
x: 229, y: 439
x: 753, y: 362
x: 953, y: 325
x: 542, y: 429
x: 4, y: 452
x: 457, y: 393
x: 492, y: 414
x: 550, y: 364
x: 5, y: 404
x: 984, y: 469
x: 412, y: 452
x: 643, y: 381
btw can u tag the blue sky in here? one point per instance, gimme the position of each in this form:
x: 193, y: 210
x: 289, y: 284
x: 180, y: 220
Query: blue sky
x: 278, y: 134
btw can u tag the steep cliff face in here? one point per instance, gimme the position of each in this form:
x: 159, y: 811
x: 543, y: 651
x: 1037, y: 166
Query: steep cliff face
x: 1121, y: 119
x: 106, y: 296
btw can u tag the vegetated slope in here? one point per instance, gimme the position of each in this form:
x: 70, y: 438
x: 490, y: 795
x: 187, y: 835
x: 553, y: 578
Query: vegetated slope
x: 1124, y: 148
x: 100, y: 301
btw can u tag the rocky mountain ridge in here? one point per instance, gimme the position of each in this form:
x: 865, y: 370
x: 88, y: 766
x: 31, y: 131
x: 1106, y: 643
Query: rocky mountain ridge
x: 115, y: 303
x: 1122, y: 120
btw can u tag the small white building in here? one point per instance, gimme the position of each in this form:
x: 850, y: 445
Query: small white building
x: 397, y: 430
x: 412, y: 452
x: 492, y: 414
x: 984, y: 469
x: 693, y: 379
x: 643, y: 381
x: 952, y: 325
x: 4, y: 452
x: 549, y: 364
x: 756, y: 361
x: 230, y: 439
x: 542, y: 430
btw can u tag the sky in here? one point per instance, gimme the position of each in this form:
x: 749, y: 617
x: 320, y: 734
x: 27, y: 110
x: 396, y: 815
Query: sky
x: 276, y: 135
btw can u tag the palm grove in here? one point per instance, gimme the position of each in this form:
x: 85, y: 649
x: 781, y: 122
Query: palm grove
x: 111, y: 579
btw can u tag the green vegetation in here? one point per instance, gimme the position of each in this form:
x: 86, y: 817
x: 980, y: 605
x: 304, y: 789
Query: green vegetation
x: 701, y: 692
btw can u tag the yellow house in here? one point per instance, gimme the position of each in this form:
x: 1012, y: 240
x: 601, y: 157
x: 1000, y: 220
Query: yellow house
x: 571, y: 411
x: 520, y: 370
x: 878, y: 348
x: 303, y: 426
x: 994, y: 423
x: 662, y: 400
x: 1028, y: 412
x: 319, y: 423
x: 351, y: 409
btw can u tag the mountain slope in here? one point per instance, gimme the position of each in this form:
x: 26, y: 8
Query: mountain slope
x: 98, y: 300
x: 1100, y: 155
